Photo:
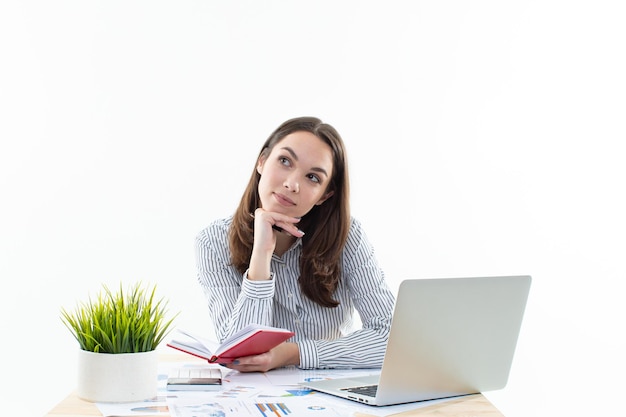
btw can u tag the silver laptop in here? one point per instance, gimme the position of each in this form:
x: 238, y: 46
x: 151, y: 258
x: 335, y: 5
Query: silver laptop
x: 449, y: 337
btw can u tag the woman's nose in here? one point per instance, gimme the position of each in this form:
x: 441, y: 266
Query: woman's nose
x: 291, y: 184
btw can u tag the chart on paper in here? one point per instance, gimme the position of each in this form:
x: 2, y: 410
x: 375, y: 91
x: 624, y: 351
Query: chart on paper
x: 202, y: 408
x: 273, y: 409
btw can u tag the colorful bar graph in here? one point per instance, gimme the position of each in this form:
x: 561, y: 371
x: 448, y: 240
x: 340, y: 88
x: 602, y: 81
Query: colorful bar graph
x: 273, y: 409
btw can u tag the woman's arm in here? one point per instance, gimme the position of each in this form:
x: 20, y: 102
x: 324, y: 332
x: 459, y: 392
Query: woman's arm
x: 269, y: 229
x: 232, y: 299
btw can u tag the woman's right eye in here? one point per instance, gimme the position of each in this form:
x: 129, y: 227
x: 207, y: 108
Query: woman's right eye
x: 284, y: 161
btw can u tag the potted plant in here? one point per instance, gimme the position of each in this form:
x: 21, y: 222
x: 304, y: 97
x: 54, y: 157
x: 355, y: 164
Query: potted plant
x: 118, y: 333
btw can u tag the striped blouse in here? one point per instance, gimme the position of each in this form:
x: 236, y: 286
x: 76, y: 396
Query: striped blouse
x: 326, y: 337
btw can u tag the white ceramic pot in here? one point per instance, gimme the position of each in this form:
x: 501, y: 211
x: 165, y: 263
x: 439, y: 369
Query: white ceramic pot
x: 119, y: 377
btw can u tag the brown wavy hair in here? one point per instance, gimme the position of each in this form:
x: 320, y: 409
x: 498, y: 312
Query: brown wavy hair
x: 326, y: 225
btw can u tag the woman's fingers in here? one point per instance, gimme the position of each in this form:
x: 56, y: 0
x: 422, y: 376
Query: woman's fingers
x: 277, y: 221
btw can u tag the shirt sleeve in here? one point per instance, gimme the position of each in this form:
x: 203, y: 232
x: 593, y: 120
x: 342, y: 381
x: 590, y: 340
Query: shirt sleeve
x: 373, y: 300
x: 233, y: 300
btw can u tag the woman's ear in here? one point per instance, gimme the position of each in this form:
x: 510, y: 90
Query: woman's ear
x: 324, y: 198
x: 260, y: 163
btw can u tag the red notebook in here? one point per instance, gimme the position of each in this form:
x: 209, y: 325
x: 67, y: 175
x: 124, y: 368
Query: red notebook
x: 251, y: 340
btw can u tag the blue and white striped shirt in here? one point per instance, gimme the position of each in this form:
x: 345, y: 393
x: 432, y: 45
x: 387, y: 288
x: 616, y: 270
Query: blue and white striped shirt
x: 325, y: 336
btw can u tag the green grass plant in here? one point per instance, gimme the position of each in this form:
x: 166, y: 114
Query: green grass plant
x: 120, y: 322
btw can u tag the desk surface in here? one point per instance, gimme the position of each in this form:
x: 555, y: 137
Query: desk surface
x: 474, y: 405
x: 471, y: 405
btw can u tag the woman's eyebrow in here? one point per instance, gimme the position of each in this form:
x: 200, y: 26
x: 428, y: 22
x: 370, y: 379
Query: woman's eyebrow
x: 294, y: 156
x: 320, y: 170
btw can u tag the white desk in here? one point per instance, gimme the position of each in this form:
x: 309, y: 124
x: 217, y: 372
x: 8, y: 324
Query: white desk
x: 473, y: 405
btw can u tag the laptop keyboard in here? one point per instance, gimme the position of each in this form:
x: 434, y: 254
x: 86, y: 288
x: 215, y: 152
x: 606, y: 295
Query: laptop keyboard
x: 369, y: 390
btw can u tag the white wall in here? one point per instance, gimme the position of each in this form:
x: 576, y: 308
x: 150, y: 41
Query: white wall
x: 483, y: 138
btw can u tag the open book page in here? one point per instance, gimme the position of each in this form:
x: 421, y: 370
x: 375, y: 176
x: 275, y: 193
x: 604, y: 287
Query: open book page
x: 194, y: 345
x: 251, y: 340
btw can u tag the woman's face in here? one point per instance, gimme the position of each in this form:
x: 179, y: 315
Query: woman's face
x: 295, y: 175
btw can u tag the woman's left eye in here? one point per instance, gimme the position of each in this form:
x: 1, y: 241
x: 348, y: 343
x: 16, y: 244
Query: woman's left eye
x: 314, y: 178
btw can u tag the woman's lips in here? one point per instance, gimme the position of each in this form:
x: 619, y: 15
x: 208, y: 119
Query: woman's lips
x: 284, y: 200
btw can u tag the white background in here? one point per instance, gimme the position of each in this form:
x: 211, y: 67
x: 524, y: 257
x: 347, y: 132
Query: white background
x: 484, y: 139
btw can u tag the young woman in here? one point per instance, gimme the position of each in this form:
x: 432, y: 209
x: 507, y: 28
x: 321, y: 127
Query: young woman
x: 293, y: 257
